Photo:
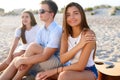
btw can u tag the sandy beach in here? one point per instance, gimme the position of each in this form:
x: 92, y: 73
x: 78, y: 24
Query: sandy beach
x: 106, y: 29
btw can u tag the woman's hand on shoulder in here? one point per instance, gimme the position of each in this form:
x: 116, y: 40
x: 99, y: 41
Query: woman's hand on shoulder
x: 90, y: 35
x: 86, y: 37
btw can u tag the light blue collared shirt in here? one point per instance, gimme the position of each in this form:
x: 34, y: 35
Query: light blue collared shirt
x: 50, y: 37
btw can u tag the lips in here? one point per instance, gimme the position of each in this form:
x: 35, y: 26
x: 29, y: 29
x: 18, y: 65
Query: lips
x: 72, y: 21
x: 24, y: 21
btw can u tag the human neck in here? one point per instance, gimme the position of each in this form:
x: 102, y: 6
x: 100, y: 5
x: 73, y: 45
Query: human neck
x: 28, y: 27
x: 76, y: 32
x: 48, y: 22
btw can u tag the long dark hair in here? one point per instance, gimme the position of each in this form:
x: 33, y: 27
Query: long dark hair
x: 23, y: 28
x: 66, y: 27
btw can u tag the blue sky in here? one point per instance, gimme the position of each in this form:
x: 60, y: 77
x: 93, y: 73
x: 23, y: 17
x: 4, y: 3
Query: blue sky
x: 34, y: 4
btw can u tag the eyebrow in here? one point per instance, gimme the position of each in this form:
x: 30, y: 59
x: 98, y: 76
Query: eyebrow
x: 73, y: 11
x: 76, y: 11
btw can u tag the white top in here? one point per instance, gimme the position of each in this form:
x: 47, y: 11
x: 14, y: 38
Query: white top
x: 72, y: 42
x: 29, y: 34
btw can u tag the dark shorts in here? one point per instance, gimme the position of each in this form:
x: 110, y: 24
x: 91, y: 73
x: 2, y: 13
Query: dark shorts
x: 93, y: 69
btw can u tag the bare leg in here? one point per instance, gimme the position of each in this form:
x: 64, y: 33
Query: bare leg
x: 7, y: 61
x: 74, y: 75
x: 33, y: 49
x: 54, y: 77
x: 3, y: 65
x: 9, y: 72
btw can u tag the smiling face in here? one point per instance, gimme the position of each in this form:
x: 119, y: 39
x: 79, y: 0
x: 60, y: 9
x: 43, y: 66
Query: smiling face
x: 73, y: 16
x: 26, y: 20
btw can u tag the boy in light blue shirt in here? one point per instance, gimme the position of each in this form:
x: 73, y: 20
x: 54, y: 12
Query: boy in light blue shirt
x: 44, y: 51
x: 50, y: 37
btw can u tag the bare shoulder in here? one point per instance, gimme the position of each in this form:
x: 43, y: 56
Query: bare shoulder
x: 89, y: 31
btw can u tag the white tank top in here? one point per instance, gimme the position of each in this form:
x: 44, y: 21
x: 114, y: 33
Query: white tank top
x: 72, y: 42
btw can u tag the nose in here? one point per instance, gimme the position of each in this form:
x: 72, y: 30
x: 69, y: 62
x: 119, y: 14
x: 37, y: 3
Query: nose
x: 71, y: 16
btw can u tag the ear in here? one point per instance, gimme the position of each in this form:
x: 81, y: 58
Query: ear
x: 52, y: 14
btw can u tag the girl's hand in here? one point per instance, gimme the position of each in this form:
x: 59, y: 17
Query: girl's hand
x: 86, y: 37
x: 19, y: 62
x: 22, y: 67
x: 45, y: 75
x: 90, y: 35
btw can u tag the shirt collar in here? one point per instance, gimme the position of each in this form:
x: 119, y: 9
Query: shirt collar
x: 51, y: 26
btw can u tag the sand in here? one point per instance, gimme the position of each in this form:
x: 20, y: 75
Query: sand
x: 106, y: 29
